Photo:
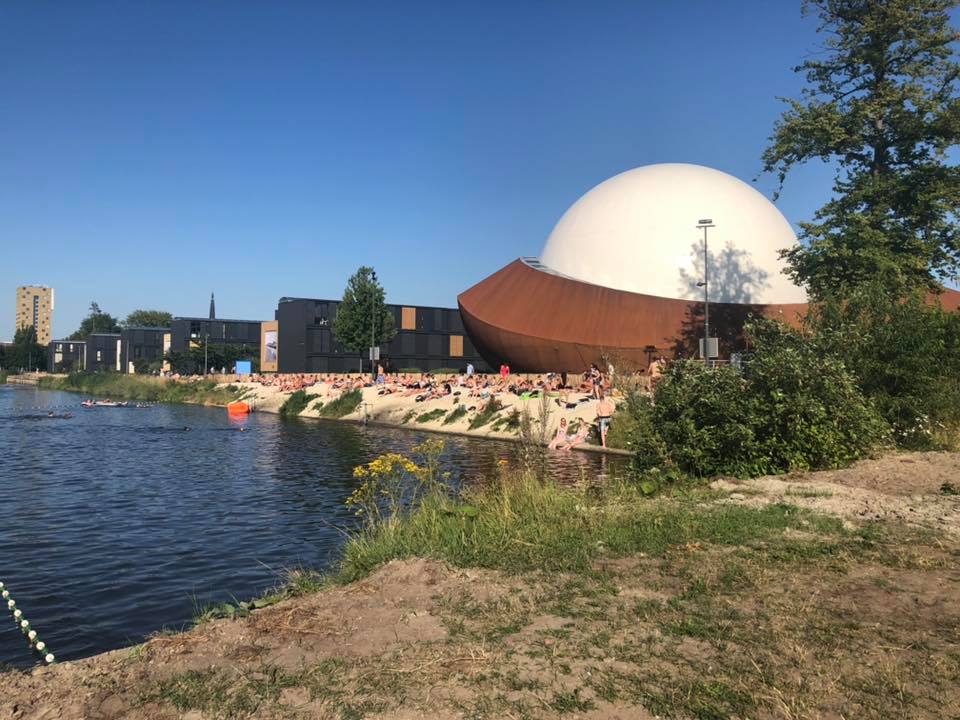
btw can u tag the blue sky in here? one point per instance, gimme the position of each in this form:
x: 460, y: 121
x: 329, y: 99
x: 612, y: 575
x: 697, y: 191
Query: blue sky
x: 152, y: 152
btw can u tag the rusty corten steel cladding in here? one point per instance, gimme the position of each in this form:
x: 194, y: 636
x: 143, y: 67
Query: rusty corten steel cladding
x: 538, y: 321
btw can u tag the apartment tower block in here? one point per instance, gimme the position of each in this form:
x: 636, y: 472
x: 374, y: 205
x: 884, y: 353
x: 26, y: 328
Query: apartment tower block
x: 35, y: 307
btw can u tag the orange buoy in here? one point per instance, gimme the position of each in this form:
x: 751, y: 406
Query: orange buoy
x: 238, y: 408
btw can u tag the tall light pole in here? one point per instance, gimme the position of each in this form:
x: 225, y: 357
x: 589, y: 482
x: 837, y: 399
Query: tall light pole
x: 373, y: 320
x: 707, y: 223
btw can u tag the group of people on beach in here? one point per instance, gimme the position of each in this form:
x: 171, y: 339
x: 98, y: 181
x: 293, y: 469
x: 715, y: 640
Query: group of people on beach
x: 568, y: 391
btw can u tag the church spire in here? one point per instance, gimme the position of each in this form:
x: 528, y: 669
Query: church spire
x: 213, y: 308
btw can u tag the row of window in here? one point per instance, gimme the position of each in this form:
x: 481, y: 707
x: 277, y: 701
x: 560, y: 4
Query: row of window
x: 319, y: 341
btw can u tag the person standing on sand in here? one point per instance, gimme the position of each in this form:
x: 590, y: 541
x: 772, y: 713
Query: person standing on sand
x: 469, y: 370
x: 605, y: 410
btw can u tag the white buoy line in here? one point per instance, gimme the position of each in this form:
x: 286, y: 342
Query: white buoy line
x: 35, y: 642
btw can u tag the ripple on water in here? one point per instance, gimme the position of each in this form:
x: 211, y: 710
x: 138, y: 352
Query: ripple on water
x: 117, y: 523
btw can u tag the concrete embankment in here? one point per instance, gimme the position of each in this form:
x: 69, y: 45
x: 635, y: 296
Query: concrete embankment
x: 22, y: 379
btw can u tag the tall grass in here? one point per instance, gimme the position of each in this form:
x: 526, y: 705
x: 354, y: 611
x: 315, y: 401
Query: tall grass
x: 343, y: 405
x: 519, y: 523
x: 295, y: 404
x: 3, y: 377
x: 141, y: 388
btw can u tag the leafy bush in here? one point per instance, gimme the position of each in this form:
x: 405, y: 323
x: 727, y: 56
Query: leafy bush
x: 634, y: 427
x: 905, y: 354
x: 295, y: 404
x: 793, y: 408
x: 410, y: 371
x: 3, y: 376
x: 445, y: 371
x: 343, y: 405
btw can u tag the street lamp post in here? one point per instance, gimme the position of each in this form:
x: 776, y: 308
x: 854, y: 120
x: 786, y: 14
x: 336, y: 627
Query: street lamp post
x: 707, y: 223
x: 373, y: 321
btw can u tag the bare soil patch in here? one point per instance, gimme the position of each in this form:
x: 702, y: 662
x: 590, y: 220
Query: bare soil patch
x: 904, y: 487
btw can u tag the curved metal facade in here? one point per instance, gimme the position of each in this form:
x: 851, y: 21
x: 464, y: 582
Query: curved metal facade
x: 538, y: 321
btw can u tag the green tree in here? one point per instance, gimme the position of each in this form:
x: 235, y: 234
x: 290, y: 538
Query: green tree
x: 148, y: 318
x: 362, y: 316
x: 26, y: 353
x: 96, y: 322
x: 880, y: 104
x: 905, y: 354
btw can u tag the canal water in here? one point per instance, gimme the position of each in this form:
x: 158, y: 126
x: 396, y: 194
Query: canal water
x: 119, y: 522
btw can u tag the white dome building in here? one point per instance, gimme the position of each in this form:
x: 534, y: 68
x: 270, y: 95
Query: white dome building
x: 637, y: 232
x: 618, y: 277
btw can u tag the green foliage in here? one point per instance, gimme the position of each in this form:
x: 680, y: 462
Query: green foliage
x: 881, y: 104
x: 148, y: 318
x: 142, y: 388
x: 25, y: 353
x: 792, y: 409
x: 343, y: 405
x: 410, y: 370
x: 3, y: 377
x: 445, y: 371
x: 905, y: 354
x: 458, y: 412
x: 634, y: 427
x: 431, y: 415
x: 96, y: 322
x: 217, y: 356
x: 486, y: 414
x: 295, y: 404
x: 518, y: 523
x: 363, y: 315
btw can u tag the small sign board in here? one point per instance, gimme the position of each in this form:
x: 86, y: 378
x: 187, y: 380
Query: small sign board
x: 374, y: 353
x: 244, y: 367
x: 713, y: 348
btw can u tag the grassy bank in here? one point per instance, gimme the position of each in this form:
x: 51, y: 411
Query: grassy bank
x: 521, y: 524
x: 141, y: 388
x: 575, y: 600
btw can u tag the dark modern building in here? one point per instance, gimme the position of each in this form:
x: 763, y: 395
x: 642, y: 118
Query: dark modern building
x: 428, y: 338
x: 103, y: 352
x: 67, y: 355
x: 143, y: 346
x: 187, y: 332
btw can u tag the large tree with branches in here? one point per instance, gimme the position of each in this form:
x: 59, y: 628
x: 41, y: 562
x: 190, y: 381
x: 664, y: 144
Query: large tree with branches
x: 880, y: 104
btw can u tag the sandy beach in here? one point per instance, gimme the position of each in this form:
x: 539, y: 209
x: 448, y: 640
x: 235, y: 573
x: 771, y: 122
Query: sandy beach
x: 435, y: 414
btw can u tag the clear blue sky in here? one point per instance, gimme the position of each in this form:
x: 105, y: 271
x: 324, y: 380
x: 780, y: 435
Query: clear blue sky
x: 151, y: 152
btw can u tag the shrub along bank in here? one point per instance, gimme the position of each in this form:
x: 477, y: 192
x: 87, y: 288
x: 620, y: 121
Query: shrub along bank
x: 142, y: 388
x: 791, y: 407
x: 905, y: 355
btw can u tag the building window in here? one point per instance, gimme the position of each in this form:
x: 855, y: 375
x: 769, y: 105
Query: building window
x: 456, y: 346
x: 408, y: 319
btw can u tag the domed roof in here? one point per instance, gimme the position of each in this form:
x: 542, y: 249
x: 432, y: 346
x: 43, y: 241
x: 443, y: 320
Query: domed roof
x: 637, y: 232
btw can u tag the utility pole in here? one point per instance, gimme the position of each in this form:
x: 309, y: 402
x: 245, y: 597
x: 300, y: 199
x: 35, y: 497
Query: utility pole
x: 706, y: 289
x: 206, y: 341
